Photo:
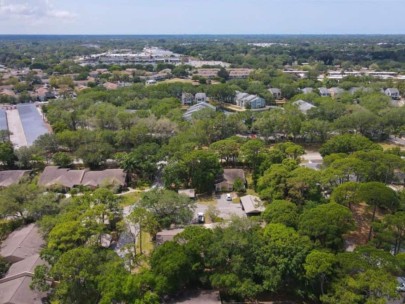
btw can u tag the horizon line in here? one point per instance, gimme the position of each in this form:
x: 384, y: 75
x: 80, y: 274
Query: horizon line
x: 213, y: 34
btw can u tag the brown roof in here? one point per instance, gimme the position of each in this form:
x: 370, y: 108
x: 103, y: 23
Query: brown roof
x: 22, y: 243
x: 26, y: 266
x: 110, y: 86
x: 167, y: 235
x: 18, y: 291
x: 230, y: 176
x: 109, y: 176
x: 42, y: 91
x: 54, y: 175
x: 8, y: 92
x: 11, y: 177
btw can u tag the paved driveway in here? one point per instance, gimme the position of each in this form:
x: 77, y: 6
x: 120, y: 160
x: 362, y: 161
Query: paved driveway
x: 226, y: 208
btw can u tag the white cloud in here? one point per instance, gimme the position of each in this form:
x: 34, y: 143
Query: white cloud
x: 33, y: 10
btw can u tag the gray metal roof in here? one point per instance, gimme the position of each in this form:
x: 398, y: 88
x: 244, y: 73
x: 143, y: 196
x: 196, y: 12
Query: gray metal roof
x: 303, y: 105
x: 32, y: 122
x: 3, y: 120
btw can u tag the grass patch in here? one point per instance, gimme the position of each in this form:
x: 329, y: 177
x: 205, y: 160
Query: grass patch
x: 207, y: 200
x: 173, y: 80
x: 249, y: 180
x: 130, y: 198
x: 147, y: 244
x: 388, y: 145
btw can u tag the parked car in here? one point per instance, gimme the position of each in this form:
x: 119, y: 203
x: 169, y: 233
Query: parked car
x: 201, y: 218
x: 228, y: 197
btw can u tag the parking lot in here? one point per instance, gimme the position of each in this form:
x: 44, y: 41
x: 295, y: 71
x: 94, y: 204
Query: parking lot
x: 225, y: 208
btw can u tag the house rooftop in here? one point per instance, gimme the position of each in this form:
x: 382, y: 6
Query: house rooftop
x: 200, y: 95
x: 22, y: 243
x: 18, y: 291
x: 26, y: 266
x: 187, y: 192
x: 109, y: 176
x: 11, y: 177
x: 167, y: 235
x: 252, y: 204
x: 303, y: 105
x: 53, y: 175
x: 230, y: 175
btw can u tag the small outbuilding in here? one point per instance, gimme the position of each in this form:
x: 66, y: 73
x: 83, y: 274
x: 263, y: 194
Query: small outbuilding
x: 187, y: 192
x: 252, y: 205
x: 167, y: 235
x: 226, y: 181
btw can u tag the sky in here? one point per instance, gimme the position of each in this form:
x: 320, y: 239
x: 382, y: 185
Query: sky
x: 202, y: 17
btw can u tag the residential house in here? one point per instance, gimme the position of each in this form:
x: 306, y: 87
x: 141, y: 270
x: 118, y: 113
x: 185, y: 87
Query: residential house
x: 167, y: 235
x: 207, y: 73
x: 187, y: 192
x: 67, y: 178
x: 187, y: 99
x: 252, y: 205
x: 197, y: 107
x: 15, y: 286
x: 239, y: 73
x: 324, y: 92
x: 245, y: 100
x: 44, y: 93
x: 12, y: 177
x: 21, y: 244
x: 8, y: 92
x: 227, y: 179
x: 275, y: 92
x: 303, y: 105
x: 96, y: 179
x: 200, y: 97
x: 392, y: 92
x: 354, y: 90
x: 307, y: 90
x: 110, y: 86
x: 334, y: 92
x: 21, y: 248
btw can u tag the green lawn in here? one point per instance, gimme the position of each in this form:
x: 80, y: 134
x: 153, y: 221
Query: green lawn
x: 130, y: 199
x: 147, y: 244
x: 207, y: 200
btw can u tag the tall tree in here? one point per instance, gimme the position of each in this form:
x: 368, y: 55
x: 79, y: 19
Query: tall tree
x: 377, y: 195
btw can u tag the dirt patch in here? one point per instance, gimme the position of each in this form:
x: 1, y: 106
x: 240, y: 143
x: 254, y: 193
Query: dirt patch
x: 362, y: 214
